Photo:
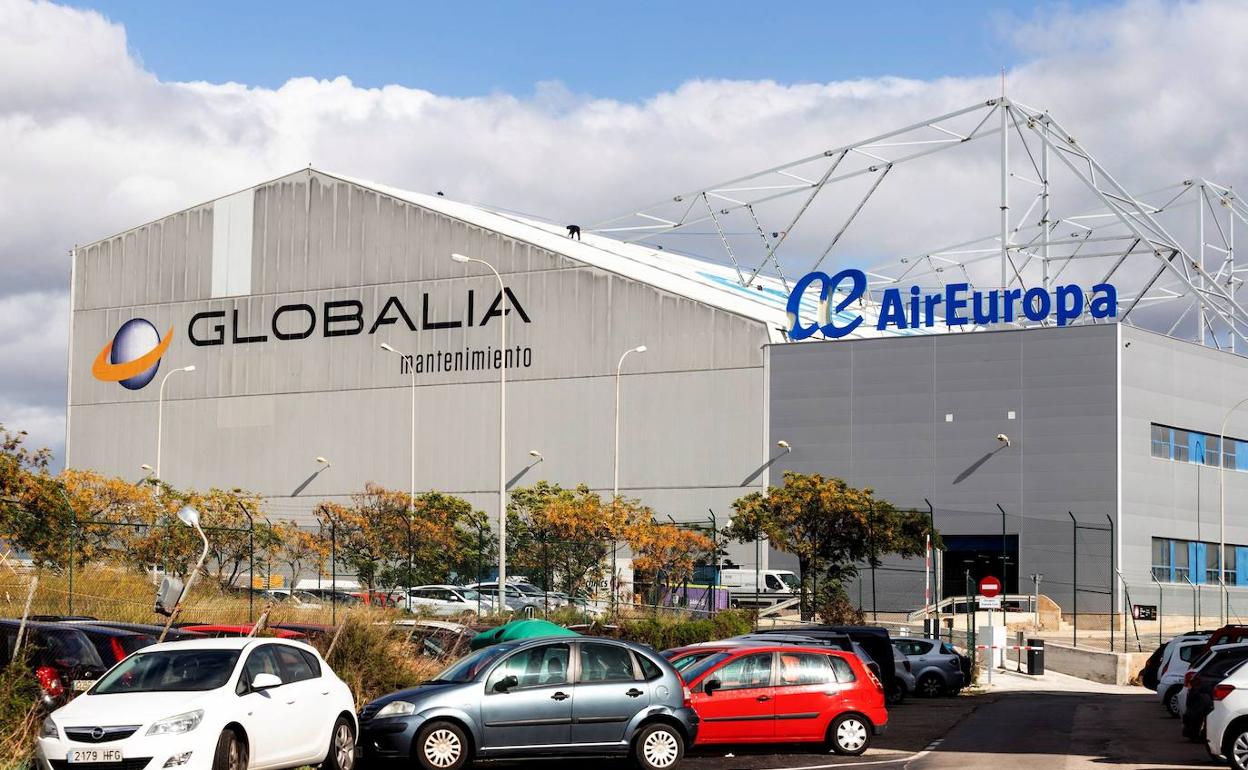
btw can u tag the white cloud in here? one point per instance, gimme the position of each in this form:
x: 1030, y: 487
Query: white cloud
x: 91, y: 143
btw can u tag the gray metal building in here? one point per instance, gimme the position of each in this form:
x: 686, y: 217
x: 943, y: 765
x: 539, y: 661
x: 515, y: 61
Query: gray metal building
x: 281, y: 295
x: 1108, y: 422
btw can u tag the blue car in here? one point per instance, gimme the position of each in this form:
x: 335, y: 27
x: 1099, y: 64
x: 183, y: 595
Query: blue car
x: 538, y: 697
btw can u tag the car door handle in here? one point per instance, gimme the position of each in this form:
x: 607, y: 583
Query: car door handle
x: 634, y: 693
x: 559, y: 696
x: 764, y: 698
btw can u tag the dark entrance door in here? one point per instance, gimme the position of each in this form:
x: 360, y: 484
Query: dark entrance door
x: 981, y: 555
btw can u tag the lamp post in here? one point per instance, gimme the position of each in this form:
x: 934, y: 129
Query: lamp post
x: 411, y: 488
x: 502, y: 427
x: 615, y: 473
x: 160, y: 413
x: 190, y: 517
x: 1222, y: 605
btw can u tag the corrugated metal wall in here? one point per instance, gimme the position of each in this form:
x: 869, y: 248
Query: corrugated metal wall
x: 256, y: 414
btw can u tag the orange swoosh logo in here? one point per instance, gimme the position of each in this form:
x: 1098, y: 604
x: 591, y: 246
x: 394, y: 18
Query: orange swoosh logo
x: 102, y: 369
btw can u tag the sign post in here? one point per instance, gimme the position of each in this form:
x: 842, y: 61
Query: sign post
x: 990, y: 591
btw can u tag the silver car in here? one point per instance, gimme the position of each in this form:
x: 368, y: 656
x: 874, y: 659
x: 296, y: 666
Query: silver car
x: 937, y: 668
x: 538, y: 698
x: 904, y: 676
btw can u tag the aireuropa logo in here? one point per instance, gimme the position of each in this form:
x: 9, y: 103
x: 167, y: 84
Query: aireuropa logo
x: 133, y: 356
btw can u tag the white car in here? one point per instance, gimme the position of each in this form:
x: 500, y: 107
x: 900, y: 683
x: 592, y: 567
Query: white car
x: 1226, y: 726
x: 449, y: 601
x: 215, y: 704
x: 1175, y: 663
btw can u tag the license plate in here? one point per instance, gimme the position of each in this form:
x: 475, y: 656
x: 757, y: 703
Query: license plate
x: 93, y: 755
x: 82, y: 685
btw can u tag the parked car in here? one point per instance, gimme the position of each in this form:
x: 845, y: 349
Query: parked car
x: 62, y: 658
x: 1228, y: 634
x: 154, y: 631
x: 1206, y: 672
x: 439, y: 639
x: 220, y: 631
x: 903, y: 674
x: 537, y: 698
x: 938, y: 669
x: 1176, y: 661
x: 449, y: 600
x: 1226, y: 727
x: 211, y: 703
x: 517, y: 600
x: 1149, y: 675
x: 114, y: 644
x: 309, y: 630
x: 874, y: 640
x: 785, y: 694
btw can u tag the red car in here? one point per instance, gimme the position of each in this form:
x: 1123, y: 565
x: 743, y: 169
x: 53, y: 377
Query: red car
x: 242, y: 630
x: 787, y: 694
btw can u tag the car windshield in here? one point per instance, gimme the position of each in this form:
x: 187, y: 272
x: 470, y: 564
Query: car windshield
x: 470, y: 594
x: 701, y: 667
x: 466, y: 668
x: 65, y: 649
x: 790, y: 580
x: 169, y: 671
x: 682, y: 662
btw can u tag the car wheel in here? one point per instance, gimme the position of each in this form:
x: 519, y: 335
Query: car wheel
x: 658, y: 747
x: 1235, y: 748
x: 1172, y: 700
x: 849, y: 735
x: 231, y: 752
x: 929, y: 686
x: 341, y: 755
x: 442, y: 746
x: 896, y: 694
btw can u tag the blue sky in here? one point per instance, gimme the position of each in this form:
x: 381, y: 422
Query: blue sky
x: 618, y: 50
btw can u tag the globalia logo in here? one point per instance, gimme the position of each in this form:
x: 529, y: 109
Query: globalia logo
x: 133, y: 356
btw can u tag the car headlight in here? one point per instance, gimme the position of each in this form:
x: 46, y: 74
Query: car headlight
x: 182, y: 723
x: 49, y: 729
x: 396, y: 708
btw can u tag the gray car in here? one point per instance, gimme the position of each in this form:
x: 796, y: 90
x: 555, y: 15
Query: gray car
x: 534, y: 698
x: 936, y: 667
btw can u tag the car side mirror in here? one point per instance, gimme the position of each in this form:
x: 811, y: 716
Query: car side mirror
x: 506, y: 684
x: 711, y: 686
x: 265, y: 682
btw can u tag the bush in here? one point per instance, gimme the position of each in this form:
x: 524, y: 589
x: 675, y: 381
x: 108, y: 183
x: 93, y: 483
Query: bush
x: 20, y: 714
x: 666, y: 631
x: 374, y: 657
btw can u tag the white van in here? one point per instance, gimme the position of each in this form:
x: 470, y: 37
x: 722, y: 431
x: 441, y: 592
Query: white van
x: 769, y: 585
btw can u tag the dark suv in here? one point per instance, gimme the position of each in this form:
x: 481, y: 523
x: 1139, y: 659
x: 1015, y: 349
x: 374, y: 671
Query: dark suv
x: 62, y: 658
x: 538, y: 698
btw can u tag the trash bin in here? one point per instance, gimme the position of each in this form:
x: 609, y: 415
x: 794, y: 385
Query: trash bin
x: 1035, y: 656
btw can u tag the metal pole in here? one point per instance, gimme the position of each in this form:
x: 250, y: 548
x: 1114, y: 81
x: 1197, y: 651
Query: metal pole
x: 714, y: 602
x: 73, y: 532
x: 615, y: 469
x: 1161, y: 607
x: 333, y: 571
x: 758, y: 576
x: 871, y: 529
x: 1194, y: 591
x: 160, y: 413
x: 1113, y: 592
x: 1074, y: 594
x: 480, y: 559
x: 1222, y: 614
x: 931, y: 531
x: 1003, y: 557
x: 1005, y: 190
x: 1200, y: 260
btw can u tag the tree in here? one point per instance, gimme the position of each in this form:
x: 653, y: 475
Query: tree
x: 663, y: 549
x: 829, y: 526
x: 297, y: 549
x: 562, y: 537
x: 382, y: 529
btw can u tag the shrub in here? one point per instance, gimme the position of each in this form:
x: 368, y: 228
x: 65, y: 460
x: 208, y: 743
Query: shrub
x: 374, y: 657
x: 20, y: 714
x: 666, y: 631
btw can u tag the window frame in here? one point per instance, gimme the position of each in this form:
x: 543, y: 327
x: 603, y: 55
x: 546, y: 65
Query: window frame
x: 520, y: 687
x: 714, y: 673
x: 580, y: 668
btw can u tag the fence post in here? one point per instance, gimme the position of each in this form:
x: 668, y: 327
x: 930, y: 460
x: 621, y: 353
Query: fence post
x: 1113, y: 592
x: 1074, y: 592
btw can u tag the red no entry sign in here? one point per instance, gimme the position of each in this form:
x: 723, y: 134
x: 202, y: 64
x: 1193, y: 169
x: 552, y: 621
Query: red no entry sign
x: 990, y: 587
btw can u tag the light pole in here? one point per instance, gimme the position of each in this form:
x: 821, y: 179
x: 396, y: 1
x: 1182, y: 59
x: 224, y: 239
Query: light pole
x: 502, y: 427
x: 160, y: 413
x: 190, y: 517
x: 1222, y: 605
x: 411, y: 487
x: 615, y: 475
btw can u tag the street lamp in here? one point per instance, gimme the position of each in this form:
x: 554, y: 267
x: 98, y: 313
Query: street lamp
x: 323, y: 461
x: 615, y: 483
x: 502, y: 427
x: 190, y: 517
x: 1222, y: 605
x: 160, y: 412
x: 537, y: 454
x: 412, y: 482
